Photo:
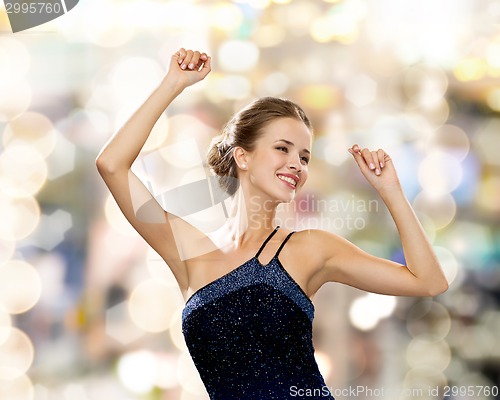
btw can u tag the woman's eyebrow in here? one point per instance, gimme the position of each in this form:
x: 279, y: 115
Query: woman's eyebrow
x: 292, y: 144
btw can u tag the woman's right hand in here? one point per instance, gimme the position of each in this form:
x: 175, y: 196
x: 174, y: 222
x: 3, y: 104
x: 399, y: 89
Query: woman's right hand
x: 188, y: 67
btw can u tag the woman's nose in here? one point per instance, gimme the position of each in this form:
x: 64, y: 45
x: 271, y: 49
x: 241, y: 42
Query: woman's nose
x: 294, y: 163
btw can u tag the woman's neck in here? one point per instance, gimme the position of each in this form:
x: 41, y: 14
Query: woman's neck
x: 250, y: 219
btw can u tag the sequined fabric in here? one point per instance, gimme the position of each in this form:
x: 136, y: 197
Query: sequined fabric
x: 250, y: 335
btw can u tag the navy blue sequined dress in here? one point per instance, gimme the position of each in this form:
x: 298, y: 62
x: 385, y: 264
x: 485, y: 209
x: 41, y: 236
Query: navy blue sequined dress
x: 249, y: 333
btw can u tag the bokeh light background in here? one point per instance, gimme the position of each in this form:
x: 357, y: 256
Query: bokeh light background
x: 88, y: 312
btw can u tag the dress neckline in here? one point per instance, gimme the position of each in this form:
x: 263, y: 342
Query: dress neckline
x: 254, y: 258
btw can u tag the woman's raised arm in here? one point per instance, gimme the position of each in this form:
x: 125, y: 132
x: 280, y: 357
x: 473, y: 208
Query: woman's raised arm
x: 117, y: 156
x: 344, y: 262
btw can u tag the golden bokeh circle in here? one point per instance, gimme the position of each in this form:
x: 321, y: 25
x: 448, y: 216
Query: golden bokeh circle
x: 20, y: 388
x: 20, y: 286
x: 16, y: 355
x: 23, y: 171
x: 33, y: 129
x: 19, y: 217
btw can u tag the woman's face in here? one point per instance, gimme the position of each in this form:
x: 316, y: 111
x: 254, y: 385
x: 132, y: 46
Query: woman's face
x: 278, y: 166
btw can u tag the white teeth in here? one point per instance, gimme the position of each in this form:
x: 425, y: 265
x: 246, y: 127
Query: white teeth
x: 287, y: 179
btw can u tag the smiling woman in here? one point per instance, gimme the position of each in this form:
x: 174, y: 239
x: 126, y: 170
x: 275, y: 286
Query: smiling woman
x: 244, y: 131
x: 248, y: 314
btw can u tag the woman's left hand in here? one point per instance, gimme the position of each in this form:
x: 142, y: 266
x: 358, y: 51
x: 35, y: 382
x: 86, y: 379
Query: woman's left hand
x: 376, y: 166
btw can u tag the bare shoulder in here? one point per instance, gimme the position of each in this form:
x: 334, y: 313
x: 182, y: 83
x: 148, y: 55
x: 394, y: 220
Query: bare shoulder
x: 319, y: 242
x: 305, y: 257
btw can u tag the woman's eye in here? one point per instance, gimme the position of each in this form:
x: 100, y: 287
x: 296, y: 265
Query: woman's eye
x: 281, y: 148
x: 305, y: 159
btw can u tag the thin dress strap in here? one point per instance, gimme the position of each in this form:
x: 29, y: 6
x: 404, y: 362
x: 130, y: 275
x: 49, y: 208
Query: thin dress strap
x: 283, y: 243
x: 267, y: 240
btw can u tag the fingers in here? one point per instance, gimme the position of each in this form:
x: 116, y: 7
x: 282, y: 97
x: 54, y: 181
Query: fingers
x: 191, y: 60
x: 207, y: 65
x: 373, y: 160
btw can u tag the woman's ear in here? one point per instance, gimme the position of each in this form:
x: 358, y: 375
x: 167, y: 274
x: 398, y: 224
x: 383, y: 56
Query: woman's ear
x: 241, y: 157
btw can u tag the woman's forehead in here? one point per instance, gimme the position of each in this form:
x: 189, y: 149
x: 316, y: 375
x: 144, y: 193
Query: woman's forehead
x: 286, y: 128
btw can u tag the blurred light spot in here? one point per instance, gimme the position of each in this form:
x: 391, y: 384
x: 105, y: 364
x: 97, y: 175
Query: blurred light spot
x: 470, y: 69
x: 448, y: 262
x: 439, y: 173
x: 7, y: 248
x: 341, y: 23
x: 87, y: 127
x: 361, y: 90
x: 488, y: 194
x: 366, y: 311
x: 185, y: 127
x: 116, y: 219
x: 16, y: 355
x: 159, y: 270
x: 487, y: 141
x: 15, y: 97
x: 31, y: 129
x: 23, y: 171
x: 111, y: 28
x: 493, y: 54
x: 437, y: 115
x: 275, y: 84
x: 493, y: 99
x: 417, y: 382
x: 151, y: 305
x: 319, y: 97
x: 19, y: 217
x: 62, y: 160
x: 440, y: 209
x: 490, y: 320
x: 425, y: 86
x: 269, y: 35
x: 324, y: 363
x: 74, y: 391
x: 297, y: 16
x: 14, y: 58
x: 5, y: 325
x: 158, y: 135
x: 119, y: 325
x: 175, y: 330
x: 449, y: 139
x: 471, y: 242
x: 19, y: 388
x: 477, y: 343
x: 225, y: 16
x: 256, y: 3
x: 188, y: 376
x: 20, y: 286
x: 165, y: 371
x: 52, y: 229
x: 134, y: 78
x: 137, y: 371
x: 428, y: 352
x: 234, y: 87
x: 466, y: 305
x: 184, y: 154
x: 428, y: 318
x: 238, y: 55
x: 51, y: 267
x: 332, y: 147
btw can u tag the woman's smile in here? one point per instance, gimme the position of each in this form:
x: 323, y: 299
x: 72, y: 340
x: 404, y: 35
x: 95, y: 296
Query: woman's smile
x: 289, y: 180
